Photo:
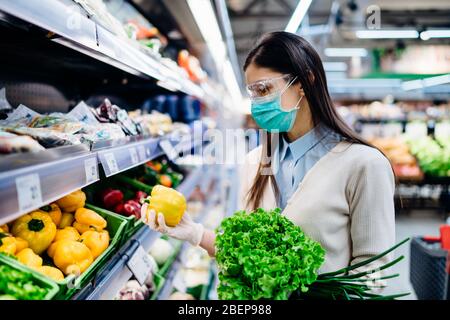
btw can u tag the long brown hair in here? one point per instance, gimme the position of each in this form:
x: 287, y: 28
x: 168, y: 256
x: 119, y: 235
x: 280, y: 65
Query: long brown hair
x: 288, y: 53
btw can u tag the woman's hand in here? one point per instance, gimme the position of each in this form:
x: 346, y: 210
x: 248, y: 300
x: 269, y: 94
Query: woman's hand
x: 186, y: 230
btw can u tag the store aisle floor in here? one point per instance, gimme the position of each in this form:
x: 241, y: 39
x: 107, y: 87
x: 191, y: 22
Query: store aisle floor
x: 409, y: 225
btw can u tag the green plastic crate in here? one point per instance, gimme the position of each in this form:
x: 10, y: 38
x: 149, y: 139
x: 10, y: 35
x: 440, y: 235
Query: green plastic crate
x: 39, y: 279
x: 116, y: 226
x: 159, y: 283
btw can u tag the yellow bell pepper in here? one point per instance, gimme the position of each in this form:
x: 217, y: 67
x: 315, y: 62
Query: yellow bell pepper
x: 51, y: 250
x: 29, y: 258
x: 82, y: 228
x: 97, y: 242
x: 67, y: 233
x: 72, y: 201
x: 72, y: 257
x: 51, y: 272
x: 20, y: 244
x: 37, y: 228
x: 4, y: 228
x: 54, y: 212
x: 90, y: 218
x: 7, y: 244
x: 66, y: 220
x: 169, y: 202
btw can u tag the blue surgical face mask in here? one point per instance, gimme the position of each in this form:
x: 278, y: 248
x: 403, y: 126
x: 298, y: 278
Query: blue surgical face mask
x: 271, y: 116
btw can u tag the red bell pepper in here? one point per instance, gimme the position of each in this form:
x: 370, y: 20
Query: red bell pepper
x: 112, y: 197
x: 132, y: 208
x: 119, y: 208
x: 140, y: 196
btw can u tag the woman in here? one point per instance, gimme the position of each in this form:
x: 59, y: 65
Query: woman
x: 326, y: 179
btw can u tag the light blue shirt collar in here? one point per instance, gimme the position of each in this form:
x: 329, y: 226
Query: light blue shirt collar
x: 300, y: 146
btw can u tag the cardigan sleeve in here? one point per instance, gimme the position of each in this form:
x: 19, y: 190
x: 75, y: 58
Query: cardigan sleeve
x: 372, y: 212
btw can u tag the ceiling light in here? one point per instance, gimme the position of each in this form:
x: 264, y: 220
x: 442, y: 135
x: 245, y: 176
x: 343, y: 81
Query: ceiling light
x: 297, y: 16
x: 346, y: 52
x: 387, y: 34
x: 425, y: 35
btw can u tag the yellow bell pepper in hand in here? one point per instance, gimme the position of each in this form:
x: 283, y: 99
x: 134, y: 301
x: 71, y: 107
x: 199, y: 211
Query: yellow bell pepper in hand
x: 67, y: 233
x: 37, y: 228
x: 7, y: 244
x: 72, y: 201
x: 54, y: 212
x: 97, y: 242
x: 168, y: 201
x: 90, y: 218
x: 72, y: 257
x: 66, y: 220
x: 51, y: 272
x: 29, y: 258
x: 20, y: 244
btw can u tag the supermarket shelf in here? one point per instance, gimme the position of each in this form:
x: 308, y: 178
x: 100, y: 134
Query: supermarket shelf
x: 92, y: 39
x: 31, y: 181
x: 116, y: 273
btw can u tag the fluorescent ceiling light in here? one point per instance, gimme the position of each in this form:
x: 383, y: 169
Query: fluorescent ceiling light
x: 205, y: 18
x: 387, y: 34
x: 425, y: 35
x: 335, y: 66
x: 298, y: 15
x: 345, y: 52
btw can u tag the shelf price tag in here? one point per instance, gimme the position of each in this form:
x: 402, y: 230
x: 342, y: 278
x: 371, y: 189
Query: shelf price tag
x: 141, y: 152
x: 140, y: 265
x: 111, y: 163
x: 133, y: 155
x: 29, y: 193
x: 168, y: 149
x: 91, y: 170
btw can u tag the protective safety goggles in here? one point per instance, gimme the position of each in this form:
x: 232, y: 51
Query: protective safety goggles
x: 269, y: 88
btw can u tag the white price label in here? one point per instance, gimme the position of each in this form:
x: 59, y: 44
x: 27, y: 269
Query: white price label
x: 91, y: 170
x: 168, y: 149
x: 140, y: 265
x: 141, y: 152
x: 111, y: 162
x: 133, y: 155
x: 29, y: 193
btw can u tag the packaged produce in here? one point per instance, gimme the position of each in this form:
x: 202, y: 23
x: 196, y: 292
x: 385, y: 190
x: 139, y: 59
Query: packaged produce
x: 96, y: 241
x: 19, y: 284
x: 7, y: 244
x: 263, y: 255
x: 37, y: 228
x: 72, y: 257
x: 169, y: 202
x: 66, y: 220
x: 72, y: 201
x: 90, y: 218
x: 12, y: 143
x: 54, y: 212
x: 29, y: 258
x: 108, y: 112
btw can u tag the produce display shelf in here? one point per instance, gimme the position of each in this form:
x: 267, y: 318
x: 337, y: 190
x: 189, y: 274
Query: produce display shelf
x: 115, y: 273
x: 33, y: 180
x: 92, y: 39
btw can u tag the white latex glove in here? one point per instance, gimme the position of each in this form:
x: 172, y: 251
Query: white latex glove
x: 186, y: 230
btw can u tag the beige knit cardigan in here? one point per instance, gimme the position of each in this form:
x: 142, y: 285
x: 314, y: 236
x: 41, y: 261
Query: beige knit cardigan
x: 345, y: 202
